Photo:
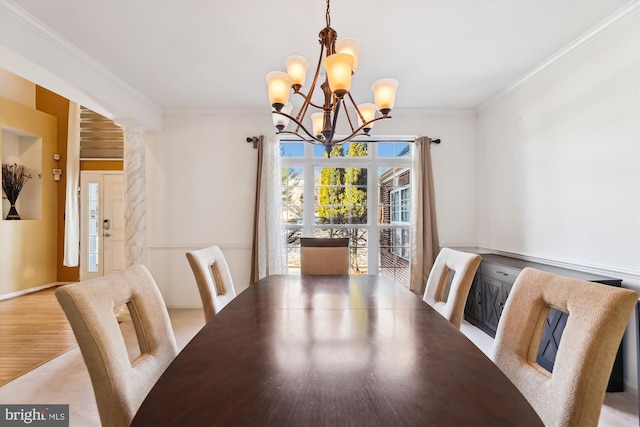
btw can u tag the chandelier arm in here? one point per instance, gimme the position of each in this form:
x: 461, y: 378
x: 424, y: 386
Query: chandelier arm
x: 355, y: 133
x: 357, y: 109
x: 300, y: 126
x: 308, y: 99
x: 346, y: 111
x: 307, y: 140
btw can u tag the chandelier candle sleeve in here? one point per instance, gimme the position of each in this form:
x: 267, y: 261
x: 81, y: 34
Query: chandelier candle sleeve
x: 332, y: 84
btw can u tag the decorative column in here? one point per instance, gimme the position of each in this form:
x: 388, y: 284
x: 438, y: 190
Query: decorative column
x: 135, y: 209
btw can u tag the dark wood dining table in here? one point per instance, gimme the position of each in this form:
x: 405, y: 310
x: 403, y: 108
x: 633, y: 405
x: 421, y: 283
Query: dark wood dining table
x: 358, y: 350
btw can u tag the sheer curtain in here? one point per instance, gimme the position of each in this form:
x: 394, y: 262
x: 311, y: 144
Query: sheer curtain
x: 424, y: 230
x: 71, y: 211
x: 268, y: 256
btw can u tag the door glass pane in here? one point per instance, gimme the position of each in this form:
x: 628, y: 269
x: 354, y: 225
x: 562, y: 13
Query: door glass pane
x: 340, y: 195
x: 292, y: 240
x: 94, y: 227
x: 292, y: 195
x: 394, y: 149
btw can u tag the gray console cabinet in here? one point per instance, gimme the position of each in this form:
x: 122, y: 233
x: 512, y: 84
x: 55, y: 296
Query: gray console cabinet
x: 490, y: 290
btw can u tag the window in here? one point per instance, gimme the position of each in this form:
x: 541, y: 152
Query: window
x: 400, y: 210
x: 362, y: 192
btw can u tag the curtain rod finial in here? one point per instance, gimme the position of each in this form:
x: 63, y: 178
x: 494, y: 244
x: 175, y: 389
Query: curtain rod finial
x: 255, y: 140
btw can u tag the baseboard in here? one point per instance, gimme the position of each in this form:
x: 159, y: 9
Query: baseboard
x: 184, y: 307
x: 30, y: 290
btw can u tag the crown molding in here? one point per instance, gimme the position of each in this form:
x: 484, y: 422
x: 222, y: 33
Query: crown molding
x: 68, y: 70
x: 594, y: 33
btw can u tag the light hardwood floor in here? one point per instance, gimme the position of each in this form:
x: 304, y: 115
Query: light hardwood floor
x: 65, y: 379
x: 33, y: 330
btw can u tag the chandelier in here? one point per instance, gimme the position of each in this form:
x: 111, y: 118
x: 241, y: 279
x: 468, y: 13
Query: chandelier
x: 340, y: 63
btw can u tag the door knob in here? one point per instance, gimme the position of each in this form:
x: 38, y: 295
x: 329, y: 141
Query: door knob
x: 107, y: 234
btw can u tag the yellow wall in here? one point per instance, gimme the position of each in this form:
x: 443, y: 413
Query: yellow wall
x: 101, y: 165
x: 52, y: 103
x: 28, y: 247
x: 17, y: 89
x: 57, y: 106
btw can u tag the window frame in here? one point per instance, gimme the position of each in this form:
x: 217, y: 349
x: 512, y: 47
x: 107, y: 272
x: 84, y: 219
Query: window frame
x: 400, y: 238
x: 373, y: 163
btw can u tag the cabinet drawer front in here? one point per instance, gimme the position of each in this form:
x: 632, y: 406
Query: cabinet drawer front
x: 499, y: 272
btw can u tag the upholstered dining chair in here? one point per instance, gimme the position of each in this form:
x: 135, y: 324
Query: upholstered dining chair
x: 120, y: 385
x: 213, y: 279
x: 448, y: 294
x: 320, y: 255
x: 597, y: 316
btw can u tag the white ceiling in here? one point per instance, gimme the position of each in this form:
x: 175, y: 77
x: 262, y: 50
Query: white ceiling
x: 207, y: 54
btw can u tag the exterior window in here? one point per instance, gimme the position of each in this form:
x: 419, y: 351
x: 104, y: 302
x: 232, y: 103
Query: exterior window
x: 362, y: 191
x: 400, y: 210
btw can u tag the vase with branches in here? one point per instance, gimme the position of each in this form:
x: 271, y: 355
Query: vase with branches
x: 14, y: 176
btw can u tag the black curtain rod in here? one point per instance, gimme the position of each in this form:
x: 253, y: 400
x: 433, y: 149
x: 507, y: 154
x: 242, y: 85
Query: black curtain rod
x: 256, y: 139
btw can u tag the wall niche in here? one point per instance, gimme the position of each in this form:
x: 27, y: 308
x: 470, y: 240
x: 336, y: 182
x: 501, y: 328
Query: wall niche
x: 22, y: 148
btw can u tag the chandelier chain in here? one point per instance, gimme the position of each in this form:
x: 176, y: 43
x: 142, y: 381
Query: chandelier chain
x: 328, y: 15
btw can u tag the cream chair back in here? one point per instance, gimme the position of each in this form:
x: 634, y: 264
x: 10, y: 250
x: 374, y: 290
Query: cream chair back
x: 597, y: 316
x: 120, y: 385
x: 449, y: 282
x: 213, y: 279
x: 324, y: 255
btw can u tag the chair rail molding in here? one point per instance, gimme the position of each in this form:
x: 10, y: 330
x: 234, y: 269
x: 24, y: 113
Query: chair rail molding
x: 627, y: 275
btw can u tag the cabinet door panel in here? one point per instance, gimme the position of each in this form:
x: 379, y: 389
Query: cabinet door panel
x: 491, y: 307
x: 473, y: 306
x: 506, y: 290
x: 550, y: 341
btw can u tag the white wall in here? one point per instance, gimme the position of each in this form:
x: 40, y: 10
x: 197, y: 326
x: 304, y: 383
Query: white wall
x: 201, y: 187
x: 559, y: 164
x: 559, y: 159
x: 454, y: 166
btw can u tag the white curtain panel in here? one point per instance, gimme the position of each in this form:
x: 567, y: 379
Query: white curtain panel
x: 72, y: 220
x: 271, y: 246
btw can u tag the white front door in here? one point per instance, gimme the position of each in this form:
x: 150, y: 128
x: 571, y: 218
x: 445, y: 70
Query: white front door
x: 102, y: 223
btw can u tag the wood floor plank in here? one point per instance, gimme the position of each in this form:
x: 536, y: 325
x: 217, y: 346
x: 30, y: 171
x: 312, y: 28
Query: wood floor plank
x: 33, y: 330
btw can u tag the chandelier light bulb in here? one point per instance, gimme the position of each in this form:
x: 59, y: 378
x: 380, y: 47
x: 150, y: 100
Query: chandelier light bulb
x: 317, y: 122
x: 368, y: 111
x: 297, y: 69
x: 384, y: 92
x: 278, y: 87
x: 280, y: 121
x: 338, y: 67
x: 350, y: 46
